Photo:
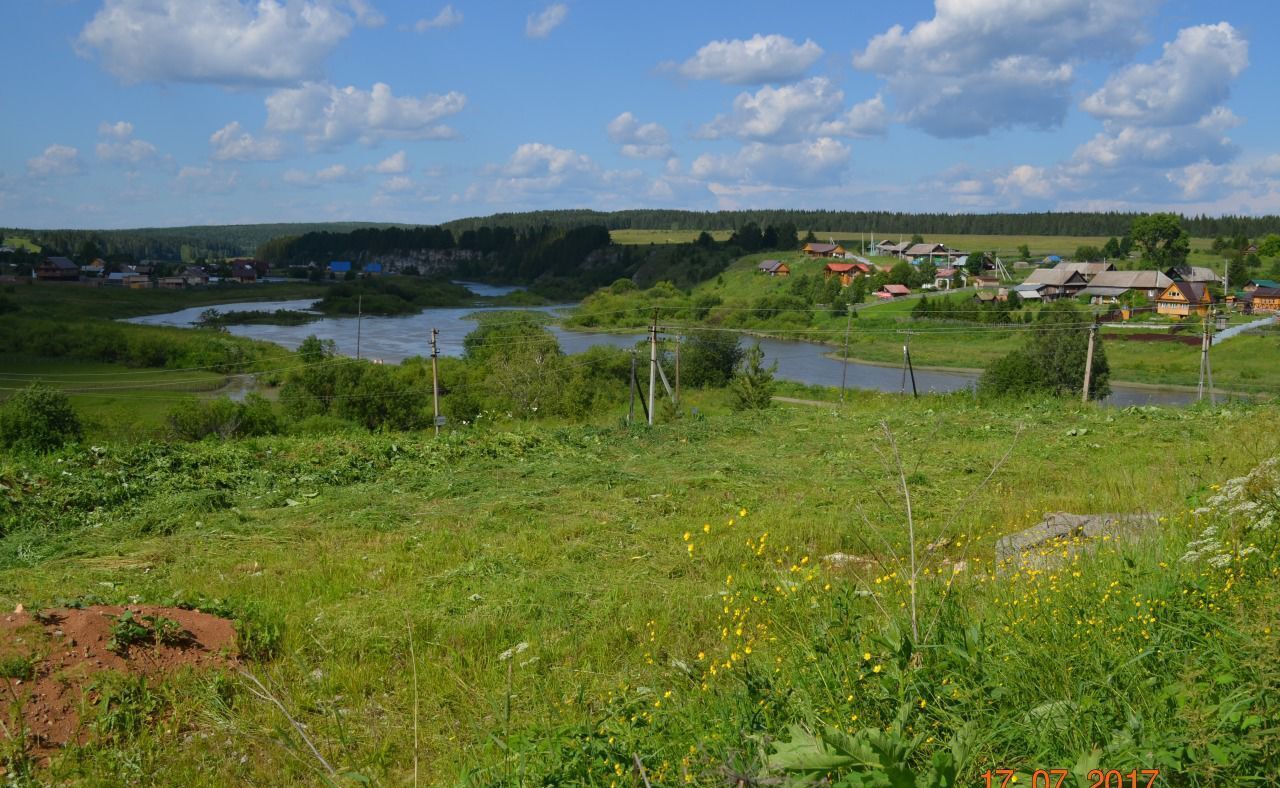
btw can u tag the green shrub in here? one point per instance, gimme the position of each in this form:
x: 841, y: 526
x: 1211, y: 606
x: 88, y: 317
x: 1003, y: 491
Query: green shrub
x: 197, y: 420
x: 708, y: 358
x: 753, y: 385
x: 38, y: 419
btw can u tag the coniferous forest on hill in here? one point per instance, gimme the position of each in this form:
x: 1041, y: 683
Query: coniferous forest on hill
x: 217, y: 241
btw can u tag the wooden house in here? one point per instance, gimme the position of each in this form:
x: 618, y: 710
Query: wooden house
x: 983, y: 280
x: 774, y: 268
x: 1087, y: 270
x: 57, y: 269
x: 1193, y: 273
x: 1052, y: 283
x: 1255, y: 284
x: 824, y: 250
x: 846, y: 272
x: 1266, y: 299
x: 893, y: 291
x: 244, y: 273
x: 1182, y: 299
x: 1109, y: 287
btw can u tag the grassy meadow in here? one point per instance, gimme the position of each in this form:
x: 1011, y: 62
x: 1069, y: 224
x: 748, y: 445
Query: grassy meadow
x: 116, y: 403
x: 1006, y: 245
x: 541, y: 605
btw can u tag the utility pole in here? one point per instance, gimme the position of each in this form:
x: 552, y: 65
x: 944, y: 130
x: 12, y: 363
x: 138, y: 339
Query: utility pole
x: 435, y: 380
x: 631, y: 409
x: 677, y: 397
x: 359, y: 320
x: 906, y: 355
x: 844, y: 373
x: 1206, y: 371
x: 1088, y: 361
x: 653, y: 363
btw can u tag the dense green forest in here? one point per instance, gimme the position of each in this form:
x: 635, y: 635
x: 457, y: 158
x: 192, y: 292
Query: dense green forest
x: 1056, y: 223
x: 177, y: 243
x: 556, y: 262
x: 326, y: 241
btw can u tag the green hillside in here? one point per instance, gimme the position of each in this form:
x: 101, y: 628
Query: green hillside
x: 552, y: 606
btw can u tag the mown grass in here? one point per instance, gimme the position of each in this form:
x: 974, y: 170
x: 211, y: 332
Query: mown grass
x: 115, y: 403
x: 628, y: 561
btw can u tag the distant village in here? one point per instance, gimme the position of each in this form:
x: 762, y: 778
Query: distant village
x: 1178, y: 292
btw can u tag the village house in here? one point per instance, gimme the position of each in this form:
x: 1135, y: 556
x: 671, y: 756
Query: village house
x: 1050, y: 284
x: 846, y: 272
x: 190, y: 277
x: 774, y: 268
x: 931, y: 252
x: 1193, y: 273
x: 983, y: 280
x: 824, y: 250
x: 1109, y: 287
x: 1255, y: 284
x: 892, y: 291
x: 950, y: 277
x: 1266, y: 299
x: 1181, y: 299
x: 372, y: 269
x: 1087, y: 270
x: 57, y: 269
x: 244, y: 272
x: 130, y: 279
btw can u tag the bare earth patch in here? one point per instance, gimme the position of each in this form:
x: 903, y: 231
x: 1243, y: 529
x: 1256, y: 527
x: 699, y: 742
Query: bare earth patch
x: 68, y: 648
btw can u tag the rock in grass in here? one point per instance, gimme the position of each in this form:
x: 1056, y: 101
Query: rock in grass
x: 1061, y: 535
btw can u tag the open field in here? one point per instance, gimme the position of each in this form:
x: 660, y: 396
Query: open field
x: 76, y: 301
x: 1006, y: 245
x: 18, y: 242
x: 637, y: 237
x: 116, y: 403
x: 661, y: 595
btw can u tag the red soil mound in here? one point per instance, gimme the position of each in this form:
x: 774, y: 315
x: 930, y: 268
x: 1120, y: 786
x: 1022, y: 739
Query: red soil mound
x: 68, y: 647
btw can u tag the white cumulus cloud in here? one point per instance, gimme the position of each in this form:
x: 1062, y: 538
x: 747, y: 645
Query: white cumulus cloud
x: 448, y: 17
x: 55, y: 160
x: 639, y: 140
x: 791, y: 113
x: 226, y: 42
x: 328, y: 115
x: 817, y: 162
x: 980, y: 65
x: 759, y: 59
x: 120, y: 146
x: 121, y: 129
x: 395, y: 164
x: 1193, y: 74
x: 541, y: 24
x: 233, y: 143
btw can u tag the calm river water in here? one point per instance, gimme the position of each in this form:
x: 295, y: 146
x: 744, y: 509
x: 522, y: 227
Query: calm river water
x: 393, y: 339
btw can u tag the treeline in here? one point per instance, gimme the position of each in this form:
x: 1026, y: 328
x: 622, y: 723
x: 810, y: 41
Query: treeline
x: 556, y: 262
x: 887, y: 222
x: 176, y: 243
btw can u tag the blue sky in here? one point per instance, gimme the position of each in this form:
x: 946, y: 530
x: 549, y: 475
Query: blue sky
x: 127, y: 113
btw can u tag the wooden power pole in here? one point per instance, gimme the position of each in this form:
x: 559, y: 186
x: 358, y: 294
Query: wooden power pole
x: 631, y: 409
x: 435, y: 380
x: 359, y: 320
x: 653, y: 363
x: 677, y: 396
x: 844, y: 373
x: 1088, y: 361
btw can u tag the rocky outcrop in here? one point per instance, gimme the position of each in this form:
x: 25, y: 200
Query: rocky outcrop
x: 1060, y: 535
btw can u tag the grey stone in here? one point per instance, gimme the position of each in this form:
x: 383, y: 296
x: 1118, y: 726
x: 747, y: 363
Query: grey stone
x: 1072, y: 533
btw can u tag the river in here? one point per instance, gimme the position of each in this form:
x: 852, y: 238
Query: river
x: 393, y: 339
